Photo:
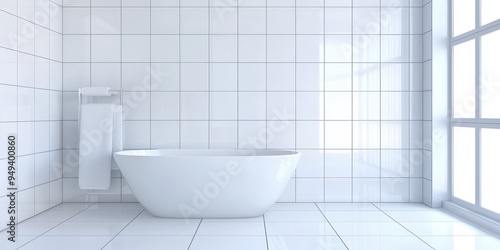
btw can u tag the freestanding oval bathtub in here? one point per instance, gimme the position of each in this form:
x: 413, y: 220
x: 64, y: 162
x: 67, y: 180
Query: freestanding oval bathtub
x: 207, y: 183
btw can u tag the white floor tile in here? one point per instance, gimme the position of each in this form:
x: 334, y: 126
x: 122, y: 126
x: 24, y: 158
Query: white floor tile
x: 338, y: 216
x: 67, y: 242
x: 146, y: 216
x: 299, y: 228
x: 33, y: 227
x: 231, y: 228
x: 346, y: 206
x: 305, y: 242
x: 284, y: 206
x: 117, y: 206
x: 442, y: 228
x: 161, y: 228
x: 149, y: 242
x: 55, y: 216
x: 384, y: 242
x: 21, y: 240
x: 92, y: 228
x: 402, y: 206
x: 294, y: 216
x: 229, y: 242
x: 370, y: 228
x: 462, y: 242
x: 421, y: 216
x: 72, y: 206
x: 105, y: 215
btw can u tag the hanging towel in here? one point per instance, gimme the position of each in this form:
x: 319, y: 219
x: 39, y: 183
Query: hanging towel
x: 117, y: 134
x: 96, y: 139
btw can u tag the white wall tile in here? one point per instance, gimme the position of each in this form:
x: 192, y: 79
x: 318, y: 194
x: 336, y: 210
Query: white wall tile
x: 252, y: 21
x: 311, y: 163
x: 106, y: 21
x: 366, y: 134
x: 165, y: 76
x: 280, y: 48
x: 366, y: 106
x: 165, y: 48
x: 288, y: 194
x: 252, y: 48
x: 139, y: 107
x: 310, y: 20
x: 338, y: 106
x: 135, y: 76
x: 310, y: 105
x: 26, y: 38
x: 251, y: 106
x: 194, y: 48
x: 194, y: 134
x: 136, y: 48
x: 251, y: 134
x: 338, y: 134
x: 8, y: 63
x: 76, y: 48
x: 338, y: 20
x: 76, y: 21
x: 26, y: 70
x: 366, y: 163
x: 224, y: 76
x: 136, y: 21
x: 395, y: 190
x: 26, y: 204
x: 416, y: 190
x: 335, y: 48
x: 194, y: 20
x: 252, y: 76
x: 106, y: 75
x: 366, y: 190
x: 26, y: 104
x: 136, y: 134
x: 310, y: 76
x: 56, y: 43
x: 280, y: 102
x: 224, y: 20
x: 280, y: 77
x: 223, y: 105
x: 42, y: 163
x: 310, y: 48
x: 27, y: 141
x: 165, y: 134
x: 72, y: 193
x: 106, y: 48
x: 223, y: 48
x: 42, y: 42
x: 56, y: 192
x: 164, y: 21
x: 194, y: 76
x: 338, y: 163
x: 280, y: 21
x: 310, y: 189
x: 280, y: 134
x: 194, y: 105
x: 338, y: 190
x: 26, y: 173
x: 75, y: 76
x: 56, y: 75
x: 165, y: 106
x: 42, y: 136
x: 42, y: 73
x: 42, y: 104
x: 223, y: 134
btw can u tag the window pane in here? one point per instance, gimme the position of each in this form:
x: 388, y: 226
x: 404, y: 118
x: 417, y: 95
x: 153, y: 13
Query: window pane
x: 464, y: 78
x: 490, y: 75
x: 464, y: 17
x: 489, y: 11
x: 490, y: 169
x: 464, y: 164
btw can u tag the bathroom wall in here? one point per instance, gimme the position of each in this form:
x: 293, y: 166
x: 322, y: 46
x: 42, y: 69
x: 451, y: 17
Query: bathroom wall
x: 31, y: 102
x: 339, y: 81
x: 427, y: 108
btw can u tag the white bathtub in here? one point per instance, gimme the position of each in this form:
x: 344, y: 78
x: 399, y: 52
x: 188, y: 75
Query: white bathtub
x: 207, y: 183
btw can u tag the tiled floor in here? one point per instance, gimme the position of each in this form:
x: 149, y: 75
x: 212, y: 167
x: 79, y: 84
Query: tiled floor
x: 286, y: 226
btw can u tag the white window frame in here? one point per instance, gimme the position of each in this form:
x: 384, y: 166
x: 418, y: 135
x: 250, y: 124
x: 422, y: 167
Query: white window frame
x: 478, y: 123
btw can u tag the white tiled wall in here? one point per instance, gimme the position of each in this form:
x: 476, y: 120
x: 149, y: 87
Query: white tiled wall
x: 427, y: 103
x: 31, y: 101
x: 346, y: 75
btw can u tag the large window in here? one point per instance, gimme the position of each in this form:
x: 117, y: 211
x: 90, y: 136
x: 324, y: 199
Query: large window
x: 475, y: 116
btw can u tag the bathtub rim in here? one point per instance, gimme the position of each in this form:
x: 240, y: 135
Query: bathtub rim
x: 276, y: 153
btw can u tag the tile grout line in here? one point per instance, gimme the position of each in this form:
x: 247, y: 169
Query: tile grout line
x: 265, y: 231
x: 123, y: 228
x: 324, y: 216
x: 49, y: 210
x: 401, y: 225
x: 194, y: 235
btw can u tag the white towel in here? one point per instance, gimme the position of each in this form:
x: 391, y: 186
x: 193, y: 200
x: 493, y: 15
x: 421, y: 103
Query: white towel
x: 117, y: 134
x: 96, y: 139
